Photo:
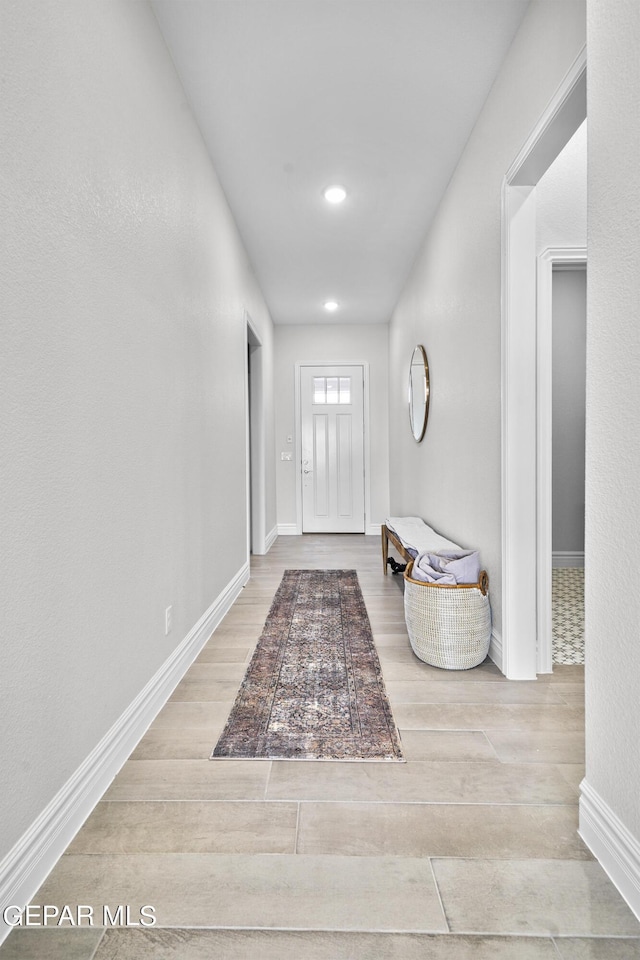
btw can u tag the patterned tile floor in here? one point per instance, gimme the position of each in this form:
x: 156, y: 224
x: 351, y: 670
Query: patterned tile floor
x: 567, y: 592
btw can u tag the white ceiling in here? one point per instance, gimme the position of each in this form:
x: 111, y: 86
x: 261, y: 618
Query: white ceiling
x: 377, y: 95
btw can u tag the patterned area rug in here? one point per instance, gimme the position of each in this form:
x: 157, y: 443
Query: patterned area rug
x: 567, y: 598
x: 314, y: 688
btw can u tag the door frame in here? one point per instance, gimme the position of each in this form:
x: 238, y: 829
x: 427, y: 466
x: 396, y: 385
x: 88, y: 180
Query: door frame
x: 255, y: 441
x: 298, y: 435
x: 563, y: 258
x: 518, y: 648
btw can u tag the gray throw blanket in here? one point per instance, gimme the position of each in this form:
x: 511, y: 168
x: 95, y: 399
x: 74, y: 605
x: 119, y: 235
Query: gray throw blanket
x: 448, y: 566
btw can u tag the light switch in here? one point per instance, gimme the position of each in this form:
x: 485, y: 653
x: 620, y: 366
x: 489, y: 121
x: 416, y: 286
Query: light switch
x: 286, y: 455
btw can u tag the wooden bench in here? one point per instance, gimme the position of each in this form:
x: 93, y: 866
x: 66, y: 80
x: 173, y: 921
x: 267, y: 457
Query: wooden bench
x: 387, y: 536
x: 411, y: 536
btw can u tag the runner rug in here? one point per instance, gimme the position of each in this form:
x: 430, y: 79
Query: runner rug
x: 314, y: 688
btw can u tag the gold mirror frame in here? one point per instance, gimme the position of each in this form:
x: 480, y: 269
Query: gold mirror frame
x: 419, y: 392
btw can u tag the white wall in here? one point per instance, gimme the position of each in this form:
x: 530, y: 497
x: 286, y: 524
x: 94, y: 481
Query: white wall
x: 612, y: 606
x: 124, y: 284
x: 326, y: 344
x: 569, y: 301
x: 451, y: 304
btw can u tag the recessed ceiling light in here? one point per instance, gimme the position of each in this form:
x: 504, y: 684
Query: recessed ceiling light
x: 335, y: 194
x: 330, y: 305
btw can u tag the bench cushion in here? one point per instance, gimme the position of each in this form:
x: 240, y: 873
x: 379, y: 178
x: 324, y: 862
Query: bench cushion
x: 417, y: 537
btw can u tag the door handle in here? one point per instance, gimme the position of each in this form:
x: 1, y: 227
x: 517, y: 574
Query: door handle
x: 307, y: 471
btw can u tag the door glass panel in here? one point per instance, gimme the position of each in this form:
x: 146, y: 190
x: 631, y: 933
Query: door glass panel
x: 345, y: 389
x: 319, y: 389
x: 333, y: 390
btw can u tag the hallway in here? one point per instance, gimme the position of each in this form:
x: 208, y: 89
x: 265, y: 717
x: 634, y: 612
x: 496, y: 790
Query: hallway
x: 468, y: 851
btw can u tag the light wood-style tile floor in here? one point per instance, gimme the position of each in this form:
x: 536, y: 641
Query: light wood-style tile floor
x: 468, y: 850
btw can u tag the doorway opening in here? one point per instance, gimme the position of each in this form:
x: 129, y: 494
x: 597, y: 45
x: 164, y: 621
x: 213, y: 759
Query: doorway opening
x: 561, y: 420
x: 523, y: 588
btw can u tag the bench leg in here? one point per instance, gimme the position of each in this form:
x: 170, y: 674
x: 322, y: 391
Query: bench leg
x: 385, y: 548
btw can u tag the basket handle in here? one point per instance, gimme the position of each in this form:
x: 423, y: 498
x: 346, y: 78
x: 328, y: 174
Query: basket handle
x: 483, y: 582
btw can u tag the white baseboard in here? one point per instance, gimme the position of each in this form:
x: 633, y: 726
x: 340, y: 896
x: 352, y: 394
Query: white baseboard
x: 293, y: 530
x: 270, y: 539
x: 567, y: 558
x: 35, y: 854
x: 495, y: 649
x: 288, y: 530
x: 615, y: 848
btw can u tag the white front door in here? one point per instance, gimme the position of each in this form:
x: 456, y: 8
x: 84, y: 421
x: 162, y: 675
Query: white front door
x: 332, y: 418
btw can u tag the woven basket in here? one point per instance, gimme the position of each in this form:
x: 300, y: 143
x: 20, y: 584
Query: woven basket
x: 449, y: 626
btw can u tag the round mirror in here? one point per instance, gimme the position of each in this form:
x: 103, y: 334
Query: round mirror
x: 418, y: 393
